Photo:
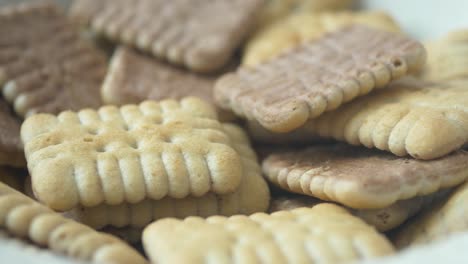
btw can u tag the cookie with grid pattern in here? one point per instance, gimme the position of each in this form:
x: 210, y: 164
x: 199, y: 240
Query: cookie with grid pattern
x: 45, y: 66
x: 325, y: 233
x: 252, y: 196
x: 129, y: 153
x: 318, y: 77
x: 362, y: 178
x: 25, y: 218
x: 201, y: 35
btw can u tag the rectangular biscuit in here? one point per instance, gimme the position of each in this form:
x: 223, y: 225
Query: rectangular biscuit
x: 252, y: 196
x: 133, y: 78
x: 201, y: 35
x: 25, y: 218
x: 114, y: 155
x: 45, y: 66
x: 325, y: 233
x: 317, y: 77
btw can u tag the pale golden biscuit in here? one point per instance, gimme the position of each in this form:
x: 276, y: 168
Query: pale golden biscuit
x: 274, y: 10
x: 446, y: 218
x: 447, y: 57
x: 317, y: 77
x: 362, y: 178
x: 383, y: 219
x: 45, y: 66
x: 11, y: 148
x: 251, y: 197
x: 133, y: 78
x: 410, y: 117
x: 296, y: 29
x: 25, y: 218
x: 325, y: 233
x: 201, y: 35
x: 127, y: 154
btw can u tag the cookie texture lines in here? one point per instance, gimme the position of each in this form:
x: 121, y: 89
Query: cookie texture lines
x: 360, y: 178
x: 26, y: 218
x: 42, y: 59
x: 127, y: 154
x: 324, y: 233
x: 133, y: 78
x: 316, y: 77
x: 424, y: 120
x: 252, y: 196
x: 201, y: 35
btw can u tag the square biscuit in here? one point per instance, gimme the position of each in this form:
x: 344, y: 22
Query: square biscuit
x: 127, y: 154
x: 133, y: 78
x: 325, y: 233
x: 23, y: 217
x: 293, y: 30
x: 426, y: 120
x: 317, y: 77
x: 362, y: 178
x: 252, y: 196
x: 200, y: 35
x: 45, y: 65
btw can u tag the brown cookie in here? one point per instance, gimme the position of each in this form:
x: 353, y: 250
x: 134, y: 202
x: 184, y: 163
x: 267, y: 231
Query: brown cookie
x: 11, y: 148
x: 44, y: 64
x: 133, y: 78
x: 285, y: 92
x: 202, y: 35
x: 362, y: 178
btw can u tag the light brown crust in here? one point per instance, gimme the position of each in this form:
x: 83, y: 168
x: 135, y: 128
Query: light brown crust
x: 317, y: 77
x: 44, y: 65
x: 127, y: 154
x: 25, y: 218
x: 200, y: 35
x: 362, y: 178
x: 324, y: 233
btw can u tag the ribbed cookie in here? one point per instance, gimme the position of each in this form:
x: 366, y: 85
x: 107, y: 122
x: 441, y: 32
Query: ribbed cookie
x: 362, y: 178
x: 202, y: 35
x: 289, y: 32
x: 25, y: 218
x: 251, y: 197
x: 325, y: 233
x: 448, y: 217
x: 11, y: 147
x: 44, y: 64
x: 447, y: 57
x: 127, y: 154
x: 411, y: 117
x: 317, y: 77
x: 383, y: 219
x: 133, y: 78
x: 275, y: 10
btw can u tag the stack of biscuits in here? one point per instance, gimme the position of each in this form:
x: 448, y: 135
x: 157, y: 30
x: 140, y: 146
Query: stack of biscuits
x: 228, y: 131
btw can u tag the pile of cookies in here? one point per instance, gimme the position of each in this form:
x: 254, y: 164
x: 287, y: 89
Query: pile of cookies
x: 128, y: 122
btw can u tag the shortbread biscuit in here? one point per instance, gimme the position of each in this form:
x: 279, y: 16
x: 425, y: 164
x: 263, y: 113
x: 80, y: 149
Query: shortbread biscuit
x: 362, y: 178
x: 251, y: 197
x: 115, y: 155
x: 11, y: 148
x: 410, y: 117
x: 447, y: 58
x: 44, y: 64
x: 446, y: 218
x: 202, y: 35
x: 133, y: 78
x: 325, y: 233
x: 299, y: 28
x: 274, y: 10
x: 302, y: 84
x: 25, y: 218
x: 383, y: 219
